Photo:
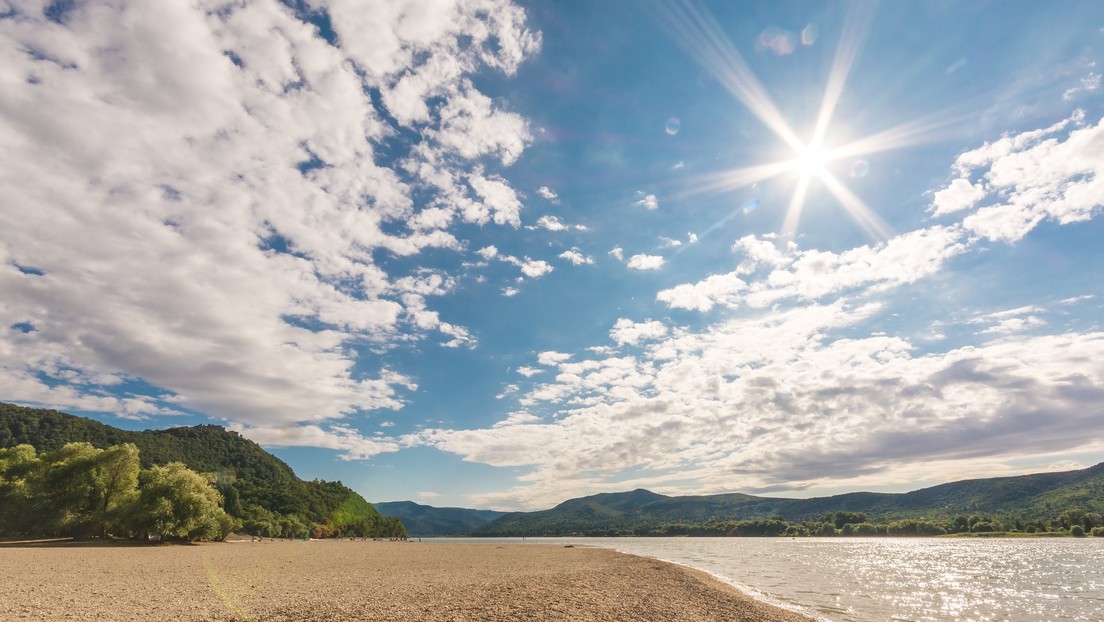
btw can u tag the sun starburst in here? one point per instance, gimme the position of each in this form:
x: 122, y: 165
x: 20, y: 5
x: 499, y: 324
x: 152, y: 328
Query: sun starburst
x: 699, y: 34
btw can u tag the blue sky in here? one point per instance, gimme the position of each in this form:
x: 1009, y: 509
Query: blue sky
x: 495, y: 254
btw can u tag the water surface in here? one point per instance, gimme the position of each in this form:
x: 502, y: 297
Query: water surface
x: 899, y: 579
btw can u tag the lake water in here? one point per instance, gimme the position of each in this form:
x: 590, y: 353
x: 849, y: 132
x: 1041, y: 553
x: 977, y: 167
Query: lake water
x: 898, y: 579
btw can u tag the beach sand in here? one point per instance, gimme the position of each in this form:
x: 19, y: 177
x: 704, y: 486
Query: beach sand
x: 344, y: 580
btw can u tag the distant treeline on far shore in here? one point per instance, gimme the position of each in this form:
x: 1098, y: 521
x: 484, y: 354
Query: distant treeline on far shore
x: 1072, y: 522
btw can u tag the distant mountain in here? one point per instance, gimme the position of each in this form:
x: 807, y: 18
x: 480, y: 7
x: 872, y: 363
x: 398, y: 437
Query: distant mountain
x: 257, y: 487
x: 426, y: 520
x: 1026, y: 497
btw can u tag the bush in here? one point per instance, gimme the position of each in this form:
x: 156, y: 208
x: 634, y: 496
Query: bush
x: 1077, y: 531
x: 1098, y: 532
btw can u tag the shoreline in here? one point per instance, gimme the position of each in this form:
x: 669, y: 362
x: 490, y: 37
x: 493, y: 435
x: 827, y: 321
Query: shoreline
x: 357, y: 580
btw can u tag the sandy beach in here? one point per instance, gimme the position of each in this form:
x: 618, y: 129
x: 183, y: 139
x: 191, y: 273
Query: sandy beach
x: 344, y: 580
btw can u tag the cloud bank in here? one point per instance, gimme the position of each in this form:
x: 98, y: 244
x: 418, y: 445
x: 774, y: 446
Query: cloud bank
x: 195, y: 202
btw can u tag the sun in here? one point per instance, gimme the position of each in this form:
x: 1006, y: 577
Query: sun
x: 700, y: 34
x: 810, y: 161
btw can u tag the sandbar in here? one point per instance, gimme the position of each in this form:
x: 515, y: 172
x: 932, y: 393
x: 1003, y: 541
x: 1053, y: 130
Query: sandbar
x: 359, y: 580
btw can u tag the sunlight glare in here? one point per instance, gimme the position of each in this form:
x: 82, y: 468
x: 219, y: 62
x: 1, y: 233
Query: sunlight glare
x: 810, y: 161
x: 700, y: 35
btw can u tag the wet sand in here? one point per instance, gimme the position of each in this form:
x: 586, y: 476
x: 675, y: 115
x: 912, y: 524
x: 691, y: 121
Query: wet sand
x: 343, y: 580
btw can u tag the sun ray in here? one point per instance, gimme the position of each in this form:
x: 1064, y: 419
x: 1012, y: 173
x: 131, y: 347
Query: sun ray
x: 927, y: 129
x: 874, y: 226
x: 797, y: 204
x: 855, y: 27
x: 737, y: 178
x: 699, y: 34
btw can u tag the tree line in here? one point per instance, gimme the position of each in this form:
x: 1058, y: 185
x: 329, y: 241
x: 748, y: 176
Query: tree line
x: 1073, y: 522
x: 83, y: 491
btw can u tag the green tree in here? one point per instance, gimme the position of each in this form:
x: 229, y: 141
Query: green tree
x: 83, y: 491
x: 17, y: 465
x: 114, y: 473
x: 176, y: 503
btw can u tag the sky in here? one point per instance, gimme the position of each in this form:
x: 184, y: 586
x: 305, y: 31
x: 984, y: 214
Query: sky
x: 490, y: 254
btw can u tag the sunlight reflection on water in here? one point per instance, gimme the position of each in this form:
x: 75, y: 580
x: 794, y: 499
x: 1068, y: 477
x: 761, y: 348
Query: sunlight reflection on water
x: 902, y: 579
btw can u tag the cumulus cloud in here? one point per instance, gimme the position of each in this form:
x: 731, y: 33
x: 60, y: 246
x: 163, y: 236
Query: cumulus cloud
x: 547, y: 193
x: 351, y: 443
x: 576, y: 257
x: 960, y: 195
x: 617, y: 253
x: 724, y: 289
x: 647, y: 201
x: 645, y: 262
x: 211, y: 232
x: 628, y: 332
x: 1053, y: 173
x: 1011, y: 320
x: 532, y: 268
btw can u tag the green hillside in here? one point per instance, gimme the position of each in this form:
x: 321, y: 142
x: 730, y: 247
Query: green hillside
x: 426, y: 520
x: 1010, y: 501
x: 258, y: 489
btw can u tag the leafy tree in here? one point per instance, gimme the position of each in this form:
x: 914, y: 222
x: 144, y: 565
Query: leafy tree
x: 176, y: 503
x: 84, y: 491
x: 17, y: 465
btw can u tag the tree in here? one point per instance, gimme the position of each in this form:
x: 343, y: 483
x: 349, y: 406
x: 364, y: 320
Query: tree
x: 176, y: 503
x: 114, y: 475
x: 83, y: 491
x: 17, y: 465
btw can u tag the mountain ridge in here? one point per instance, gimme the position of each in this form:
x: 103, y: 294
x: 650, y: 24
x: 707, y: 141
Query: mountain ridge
x: 1032, y: 496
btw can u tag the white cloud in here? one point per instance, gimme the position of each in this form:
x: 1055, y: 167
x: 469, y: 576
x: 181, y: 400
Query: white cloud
x: 551, y: 223
x: 647, y: 201
x: 552, y: 358
x: 576, y: 257
x: 529, y: 372
x: 547, y: 193
x: 617, y: 253
x: 487, y: 252
x: 627, y: 332
x: 342, y: 438
x: 1076, y: 299
x: 1089, y: 83
x: 1011, y: 320
x: 510, y: 292
x: 645, y: 262
x: 726, y: 289
x: 211, y: 230
x: 1048, y: 174
x: 667, y: 242
x: 960, y: 195
x: 532, y: 268
x: 500, y: 202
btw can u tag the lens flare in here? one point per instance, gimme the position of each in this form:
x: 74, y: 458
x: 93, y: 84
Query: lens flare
x: 809, y: 35
x: 859, y: 169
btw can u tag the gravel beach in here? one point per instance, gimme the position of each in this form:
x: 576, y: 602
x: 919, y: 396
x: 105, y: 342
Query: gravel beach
x: 346, y: 580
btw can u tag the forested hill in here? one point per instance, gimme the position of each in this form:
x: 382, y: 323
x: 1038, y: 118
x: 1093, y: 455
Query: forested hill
x: 258, y: 489
x: 1039, y: 497
x: 426, y: 520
